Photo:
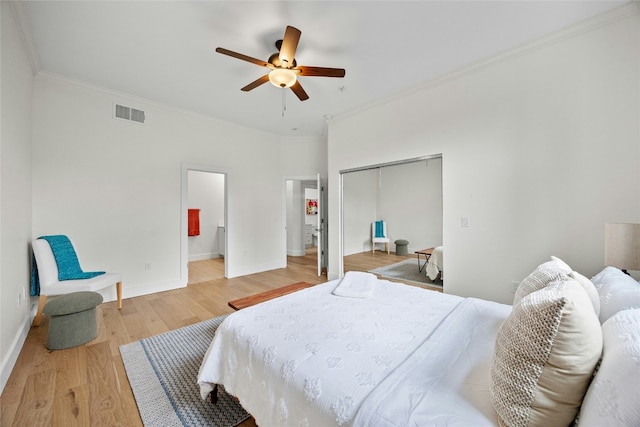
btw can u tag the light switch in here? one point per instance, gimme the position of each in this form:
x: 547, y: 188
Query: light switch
x: 464, y: 221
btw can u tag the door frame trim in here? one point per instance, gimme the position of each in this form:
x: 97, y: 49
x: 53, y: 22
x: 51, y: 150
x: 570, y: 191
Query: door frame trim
x: 184, y: 205
x: 285, y: 178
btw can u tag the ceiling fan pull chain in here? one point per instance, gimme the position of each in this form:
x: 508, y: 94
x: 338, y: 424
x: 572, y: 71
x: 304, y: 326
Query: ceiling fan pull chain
x: 284, y: 103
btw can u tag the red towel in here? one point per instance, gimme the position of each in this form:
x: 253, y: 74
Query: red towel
x: 194, y: 222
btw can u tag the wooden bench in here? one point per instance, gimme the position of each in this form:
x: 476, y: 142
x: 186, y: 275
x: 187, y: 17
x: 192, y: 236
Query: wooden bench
x: 427, y: 254
x: 245, y: 302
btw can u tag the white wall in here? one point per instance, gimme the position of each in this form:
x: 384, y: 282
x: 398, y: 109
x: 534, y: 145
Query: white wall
x: 300, y: 158
x: 295, y: 201
x: 541, y: 148
x: 360, y: 209
x: 411, y: 198
x: 15, y: 191
x: 206, y: 192
x: 303, y: 156
x: 115, y: 186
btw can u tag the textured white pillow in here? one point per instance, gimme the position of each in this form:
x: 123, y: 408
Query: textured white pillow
x: 613, y: 398
x: 561, y: 263
x: 617, y: 291
x: 606, y: 274
x: 544, y: 357
x: 543, y: 274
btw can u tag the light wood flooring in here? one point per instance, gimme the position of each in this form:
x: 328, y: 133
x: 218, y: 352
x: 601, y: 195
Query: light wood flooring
x: 87, y: 385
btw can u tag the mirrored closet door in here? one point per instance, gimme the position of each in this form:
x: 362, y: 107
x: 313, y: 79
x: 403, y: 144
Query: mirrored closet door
x: 390, y: 212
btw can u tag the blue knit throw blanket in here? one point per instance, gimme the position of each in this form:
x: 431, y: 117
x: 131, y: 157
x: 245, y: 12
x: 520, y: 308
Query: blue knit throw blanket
x: 66, y: 260
x: 380, y: 229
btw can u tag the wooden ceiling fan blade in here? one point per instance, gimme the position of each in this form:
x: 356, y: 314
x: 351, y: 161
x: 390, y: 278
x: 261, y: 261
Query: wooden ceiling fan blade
x: 299, y: 91
x: 289, y: 46
x: 254, y: 84
x: 320, y: 71
x: 242, y: 57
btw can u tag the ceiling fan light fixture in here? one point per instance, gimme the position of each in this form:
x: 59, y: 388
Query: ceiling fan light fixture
x: 284, y: 69
x: 282, y: 77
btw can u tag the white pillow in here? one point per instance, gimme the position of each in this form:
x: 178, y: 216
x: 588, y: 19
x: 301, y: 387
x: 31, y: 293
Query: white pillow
x: 561, y: 263
x: 589, y: 287
x: 607, y: 273
x: 613, y: 398
x: 553, y: 270
x: 585, y: 282
x: 617, y: 291
x: 539, y: 278
x: 544, y: 357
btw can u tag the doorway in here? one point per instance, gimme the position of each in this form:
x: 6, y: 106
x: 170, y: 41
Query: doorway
x: 204, y: 224
x: 303, y: 222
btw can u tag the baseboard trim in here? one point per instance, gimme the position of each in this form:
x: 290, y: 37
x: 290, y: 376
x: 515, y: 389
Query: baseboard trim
x: 253, y: 269
x: 108, y: 294
x: 151, y: 288
x: 202, y: 257
x: 296, y: 253
x: 12, y: 355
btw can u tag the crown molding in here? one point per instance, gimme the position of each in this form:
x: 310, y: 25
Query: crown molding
x: 24, y: 28
x: 606, y: 18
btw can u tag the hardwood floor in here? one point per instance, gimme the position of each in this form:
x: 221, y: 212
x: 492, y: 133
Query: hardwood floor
x: 87, y: 385
x: 205, y: 270
x: 366, y: 261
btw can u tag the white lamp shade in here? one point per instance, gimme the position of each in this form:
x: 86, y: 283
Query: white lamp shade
x: 282, y: 77
x: 622, y: 246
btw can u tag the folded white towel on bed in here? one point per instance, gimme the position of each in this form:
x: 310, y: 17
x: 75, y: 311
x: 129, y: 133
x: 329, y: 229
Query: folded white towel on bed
x: 356, y: 284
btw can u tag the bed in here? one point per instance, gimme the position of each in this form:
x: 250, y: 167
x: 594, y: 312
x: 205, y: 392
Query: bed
x: 389, y: 354
x: 435, y: 263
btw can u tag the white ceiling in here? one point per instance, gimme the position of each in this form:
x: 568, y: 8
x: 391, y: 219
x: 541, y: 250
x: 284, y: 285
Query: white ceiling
x: 164, y: 51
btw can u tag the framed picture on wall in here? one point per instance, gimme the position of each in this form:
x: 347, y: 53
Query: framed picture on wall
x: 312, y: 206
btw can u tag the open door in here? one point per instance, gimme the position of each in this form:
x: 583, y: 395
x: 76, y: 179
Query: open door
x: 320, y: 223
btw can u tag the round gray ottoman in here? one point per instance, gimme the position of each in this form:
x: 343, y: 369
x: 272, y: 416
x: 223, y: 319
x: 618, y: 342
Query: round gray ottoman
x: 72, y: 319
x: 401, y: 246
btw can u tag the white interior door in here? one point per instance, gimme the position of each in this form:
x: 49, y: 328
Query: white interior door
x: 319, y: 223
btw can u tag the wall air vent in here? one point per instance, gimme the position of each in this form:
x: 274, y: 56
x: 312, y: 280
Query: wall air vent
x: 128, y: 113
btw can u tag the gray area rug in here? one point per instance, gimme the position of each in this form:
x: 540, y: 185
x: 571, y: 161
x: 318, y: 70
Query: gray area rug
x: 406, y: 270
x: 163, y: 370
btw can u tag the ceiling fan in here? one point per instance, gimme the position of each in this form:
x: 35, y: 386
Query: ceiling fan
x: 284, y: 68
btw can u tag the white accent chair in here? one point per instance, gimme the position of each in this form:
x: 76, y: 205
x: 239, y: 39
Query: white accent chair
x: 50, y: 285
x: 384, y: 239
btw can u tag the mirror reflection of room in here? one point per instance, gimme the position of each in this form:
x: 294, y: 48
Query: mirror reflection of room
x: 392, y: 221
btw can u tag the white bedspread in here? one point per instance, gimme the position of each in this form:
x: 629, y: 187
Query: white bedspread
x: 404, y: 356
x: 446, y: 381
x: 311, y: 358
x: 435, y: 263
